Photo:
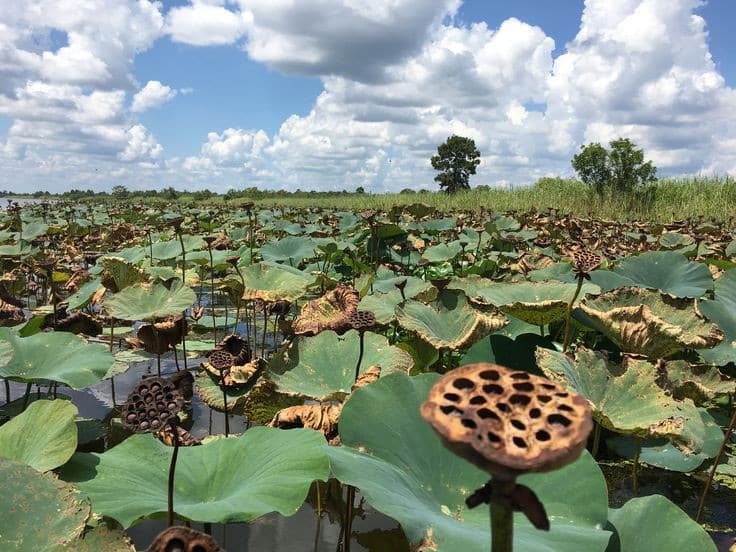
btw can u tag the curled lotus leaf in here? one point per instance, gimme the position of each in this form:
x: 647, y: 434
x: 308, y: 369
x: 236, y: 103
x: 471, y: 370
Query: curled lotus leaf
x: 44, y: 436
x: 323, y: 366
x: 150, y: 301
x: 647, y: 323
x: 274, y: 282
x: 320, y: 417
x: 697, y: 382
x: 40, y: 512
x: 267, y: 470
x: 118, y: 274
x: 450, y: 322
x: 329, y: 312
x: 722, y: 310
x: 161, y: 337
x: 537, y: 303
x: 625, y: 398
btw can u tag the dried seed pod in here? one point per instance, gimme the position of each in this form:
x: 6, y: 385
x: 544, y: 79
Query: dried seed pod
x: 362, y: 320
x: 220, y: 360
x: 151, y: 404
x: 237, y: 347
x: 508, y: 422
x: 183, y: 539
x: 584, y: 262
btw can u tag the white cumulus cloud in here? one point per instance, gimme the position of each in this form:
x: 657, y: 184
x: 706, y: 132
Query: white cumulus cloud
x: 153, y: 94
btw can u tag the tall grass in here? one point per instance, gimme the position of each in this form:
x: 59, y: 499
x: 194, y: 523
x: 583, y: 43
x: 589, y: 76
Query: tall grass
x: 670, y: 198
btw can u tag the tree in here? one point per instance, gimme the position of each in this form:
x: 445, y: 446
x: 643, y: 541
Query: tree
x: 456, y: 160
x: 622, y: 169
x: 120, y: 192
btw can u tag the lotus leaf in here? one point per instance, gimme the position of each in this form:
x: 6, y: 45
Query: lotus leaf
x: 225, y: 480
x: 646, y: 323
x: 414, y: 287
x: 61, y: 357
x: 722, y: 310
x: 517, y: 353
x: 102, y: 539
x: 662, y: 453
x: 450, y: 322
x: 209, y: 390
x: 323, y: 365
x: 150, y: 301
x: 39, y: 511
x: 537, y: 303
x: 443, y: 252
x: 84, y: 295
x: 699, y: 383
x: 118, y: 274
x: 44, y: 436
x: 274, y: 282
x: 163, y: 250
x: 625, y: 398
x: 667, y: 271
x: 291, y: 250
x: 329, y: 312
x: 654, y: 523
x: 404, y: 471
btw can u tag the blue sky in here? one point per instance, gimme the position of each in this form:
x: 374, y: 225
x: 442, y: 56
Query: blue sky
x: 335, y: 94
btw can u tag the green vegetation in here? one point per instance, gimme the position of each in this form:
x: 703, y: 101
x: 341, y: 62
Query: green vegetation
x: 620, y: 170
x: 456, y: 160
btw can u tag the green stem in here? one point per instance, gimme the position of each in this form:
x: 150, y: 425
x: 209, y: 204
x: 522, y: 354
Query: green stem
x: 596, y: 440
x: 26, y: 396
x: 172, y: 469
x: 212, y: 293
x: 713, y: 470
x: 502, y: 525
x: 568, y: 314
x: 183, y: 281
x: 637, y: 453
x: 7, y: 391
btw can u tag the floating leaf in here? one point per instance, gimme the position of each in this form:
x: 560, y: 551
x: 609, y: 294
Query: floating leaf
x: 647, y: 323
x: 450, y: 322
x: 150, y: 301
x: 223, y: 481
x: 323, y: 365
x: 404, y: 471
x: 274, y: 282
x: 61, y: 357
x: 39, y: 511
x: 291, y: 250
x: 722, y: 310
x: 44, y: 436
x: 654, y: 523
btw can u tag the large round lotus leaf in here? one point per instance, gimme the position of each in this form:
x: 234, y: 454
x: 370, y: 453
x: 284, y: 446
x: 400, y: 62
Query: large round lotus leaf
x: 414, y: 286
x: 163, y: 250
x: 667, y: 271
x: 722, y: 310
x: 442, y: 252
x: 450, y: 322
x: 44, y: 436
x: 661, y: 453
x: 382, y: 305
x: 625, y: 398
x: 274, y: 282
x: 323, y: 365
x: 209, y: 390
x: 150, y: 301
x: 537, y: 303
x: 516, y: 354
x: 471, y: 286
x: 654, y: 523
x: 290, y: 250
x: 225, y: 480
x: 404, y: 471
x: 647, y: 323
x: 61, y: 357
x: 39, y: 512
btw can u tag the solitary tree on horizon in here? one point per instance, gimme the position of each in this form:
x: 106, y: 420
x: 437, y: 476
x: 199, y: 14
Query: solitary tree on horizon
x: 456, y: 160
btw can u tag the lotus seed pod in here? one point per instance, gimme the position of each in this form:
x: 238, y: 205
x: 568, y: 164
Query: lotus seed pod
x: 508, y: 422
x: 362, y: 320
x: 150, y: 414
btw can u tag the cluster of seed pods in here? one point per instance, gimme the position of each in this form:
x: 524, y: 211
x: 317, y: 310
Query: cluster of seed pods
x: 152, y: 404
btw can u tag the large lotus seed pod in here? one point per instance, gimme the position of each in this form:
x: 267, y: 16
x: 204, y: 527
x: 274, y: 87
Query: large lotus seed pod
x: 362, y: 320
x: 584, y: 262
x: 183, y: 539
x: 152, y: 404
x: 220, y: 360
x: 508, y: 422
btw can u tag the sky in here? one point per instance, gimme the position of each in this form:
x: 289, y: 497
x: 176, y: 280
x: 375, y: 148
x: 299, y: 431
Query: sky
x: 336, y: 94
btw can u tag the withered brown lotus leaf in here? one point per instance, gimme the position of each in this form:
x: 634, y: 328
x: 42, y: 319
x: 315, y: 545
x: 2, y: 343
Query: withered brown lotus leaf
x: 153, y: 403
x: 222, y: 241
x: 236, y: 346
x: 78, y: 278
x: 183, y: 380
x: 10, y: 315
x: 161, y: 337
x: 186, y: 439
x: 320, y: 417
x: 371, y: 374
x: 183, y: 539
x: 508, y: 422
x: 240, y: 374
x: 330, y: 312
x: 79, y: 322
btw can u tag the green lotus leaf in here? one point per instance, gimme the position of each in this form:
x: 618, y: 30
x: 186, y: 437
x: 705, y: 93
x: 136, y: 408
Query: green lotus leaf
x: 647, y: 323
x: 537, y: 303
x: 263, y: 402
x: 323, y: 365
x: 667, y: 271
x: 209, y: 390
x: 118, y: 274
x: 722, y: 310
x: 34, y: 229
x: 415, y: 287
x: 471, y: 286
x: 58, y: 356
x: 661, y: 453
x: 39, y: 511
x: 450, y: 322
x: 274, y: 282
x: 131, y: 255
x: 164, y: 250
x: 84, y: 295
x: 291, y: 250
x: 44, y: 436
x: 699, y: 383
x: 150, y: 301
x: 102, y: 539
x: 672, y: 240
x: 625, y: 398
x: 442, y: 252
x: 654, y: 523
x: 382, y: 305
x: 404, y: 471
x: 226, y: 480
x: 516, y: 354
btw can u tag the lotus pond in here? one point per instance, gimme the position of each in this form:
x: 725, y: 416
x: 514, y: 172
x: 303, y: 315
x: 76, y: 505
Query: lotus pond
x: 263, y: 376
